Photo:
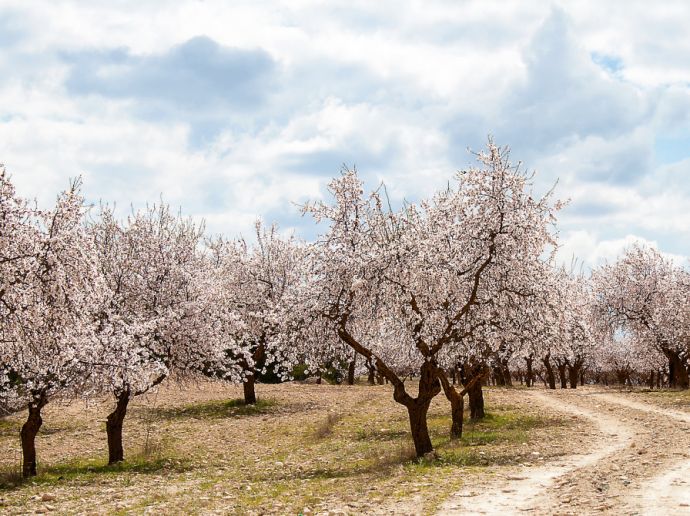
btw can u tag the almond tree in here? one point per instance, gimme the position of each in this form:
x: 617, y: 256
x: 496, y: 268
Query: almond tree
x: 399, y: 286
x: 647, y: 295
x: 48, y: 291
x: 155, y: 319
x: 253, y: 282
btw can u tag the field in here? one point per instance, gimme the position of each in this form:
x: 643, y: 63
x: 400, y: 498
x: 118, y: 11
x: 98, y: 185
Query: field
x: 302, y: 448
x: 308, y: 448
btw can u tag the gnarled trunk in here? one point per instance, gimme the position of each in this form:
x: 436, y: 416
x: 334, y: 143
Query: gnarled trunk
x: 550, y: 377
x: 113, y: 428
x: 417, y: 412
x: 28, y: 436
x: 457, y: 403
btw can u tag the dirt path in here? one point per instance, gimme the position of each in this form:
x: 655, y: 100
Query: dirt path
x: 636, y: 462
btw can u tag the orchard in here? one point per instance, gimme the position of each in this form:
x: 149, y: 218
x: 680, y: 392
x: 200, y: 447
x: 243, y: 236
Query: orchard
x: 449, y: 296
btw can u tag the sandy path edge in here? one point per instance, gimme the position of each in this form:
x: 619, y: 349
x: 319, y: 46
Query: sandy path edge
x: 522, y: 490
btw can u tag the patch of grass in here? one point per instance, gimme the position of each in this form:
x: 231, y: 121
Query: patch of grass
x: 216, y: 409
x: 10, y: 477
x: 9, y: 427
x: 326, y: 427
x: 86, y: 470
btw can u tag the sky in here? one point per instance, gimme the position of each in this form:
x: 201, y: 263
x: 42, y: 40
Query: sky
x: 238, y: 110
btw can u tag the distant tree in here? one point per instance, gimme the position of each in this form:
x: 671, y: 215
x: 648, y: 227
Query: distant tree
x: 646, y: 295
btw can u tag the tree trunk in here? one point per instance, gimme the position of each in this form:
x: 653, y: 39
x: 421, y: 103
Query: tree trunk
x: 371, y: 373
x: 678, y: 373
x: 551, y: 378
x: 379, y: 379
x: 499, y: 379
x: 457, y: 403
x: 28, y: 437
x: 561, y: 375
x: 507, y: 378
x: 476, y: 396
x: 351, y: 370
x: 113, y: 428
x: 249, y: 391
x: 572, y: 375
x: 582, y: 377
x: 529, y: 380
x: 417, y: 412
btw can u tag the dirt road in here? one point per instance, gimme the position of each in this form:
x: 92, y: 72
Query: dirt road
x: 637, y: 462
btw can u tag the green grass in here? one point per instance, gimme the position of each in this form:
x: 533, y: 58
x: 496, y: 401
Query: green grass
x: 9, y: 427
x: 87, y: 471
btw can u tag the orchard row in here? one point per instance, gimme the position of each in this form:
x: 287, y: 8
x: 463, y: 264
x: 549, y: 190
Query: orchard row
x: 454, y: 289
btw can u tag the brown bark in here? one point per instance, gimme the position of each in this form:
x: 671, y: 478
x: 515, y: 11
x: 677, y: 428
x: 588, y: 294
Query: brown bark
x: 417, y: 408
x: 351, y: 370
x: 28, y: 436
x: 529, y: 378
x: 249, y: 390
x: 561, y: 374
x: 371, y: 371
x: 457, y: 401
x: 550, y: 377
x: 474, y: 389
x: 476, y: 398
x: 113, y: 428
x: 573, y: 372
x: 507, y: 377
x: 678, y: 373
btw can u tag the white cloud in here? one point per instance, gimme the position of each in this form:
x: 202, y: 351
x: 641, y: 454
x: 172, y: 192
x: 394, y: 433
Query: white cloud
x: 400, y: 89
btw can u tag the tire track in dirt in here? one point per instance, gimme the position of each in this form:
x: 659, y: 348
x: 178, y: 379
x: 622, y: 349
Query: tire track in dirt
x: 532, y: 489
x: 669, y: 491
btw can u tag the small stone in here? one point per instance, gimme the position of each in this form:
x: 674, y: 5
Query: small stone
x: 48, y: 497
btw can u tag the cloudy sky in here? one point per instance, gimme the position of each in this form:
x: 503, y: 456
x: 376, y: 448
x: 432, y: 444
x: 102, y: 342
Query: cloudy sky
x: 235, y: 110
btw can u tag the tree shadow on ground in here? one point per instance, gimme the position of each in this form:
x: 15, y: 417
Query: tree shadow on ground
x: 216, y: 409
x: 85, y: 471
